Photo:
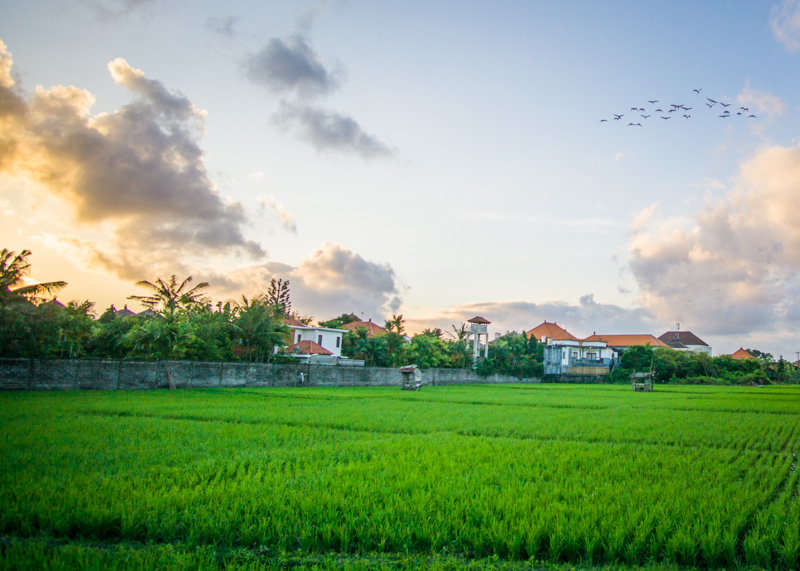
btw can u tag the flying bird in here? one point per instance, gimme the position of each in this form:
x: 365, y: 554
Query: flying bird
x: 653, y: 102
x: 687, y: 116
x: 604, y: 120
x: 665, y: 118
x: 645, y: 116
x: 711, y: 100
x: 658, y: 111
x: 725, y: 104
x: 697, y: 90
x: 618, y: 117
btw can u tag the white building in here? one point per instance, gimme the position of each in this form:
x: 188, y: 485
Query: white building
x: 575, y: 357
x: 326, y: 337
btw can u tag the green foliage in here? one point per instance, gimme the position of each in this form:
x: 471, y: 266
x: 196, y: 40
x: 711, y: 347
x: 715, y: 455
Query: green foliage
x: 167, y: 337
x: 396, y: 324
x: 213, y: 334
x: 514, y: 354
x: 637, y: 358
x: 167, y: 297
x: 278, y: 297
x: 427, y: 351
x: 259, y: 328
x: 110, y: 336
x: 374, y: 351
x: 686, y: 367
x: 337, y: 322
x: 13, y: 269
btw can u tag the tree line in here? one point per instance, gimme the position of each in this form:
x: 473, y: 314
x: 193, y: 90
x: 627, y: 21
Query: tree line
x: 181, y: 322
x: 687, y: 367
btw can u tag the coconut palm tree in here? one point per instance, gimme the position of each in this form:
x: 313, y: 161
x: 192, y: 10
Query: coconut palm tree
x: 170, y: 296
x: 13, y: 268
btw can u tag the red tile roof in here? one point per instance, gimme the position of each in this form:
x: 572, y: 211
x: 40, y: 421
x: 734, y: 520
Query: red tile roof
x: 685, y: 337
x: 742, y: 354
x: 372, y: 328
x: 628, y: 340
x: 551, y: 331
x: 307, y: 347
x: 479, y: 319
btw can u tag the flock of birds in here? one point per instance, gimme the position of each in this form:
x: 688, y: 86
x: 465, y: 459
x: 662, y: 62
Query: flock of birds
x: 678, y: 110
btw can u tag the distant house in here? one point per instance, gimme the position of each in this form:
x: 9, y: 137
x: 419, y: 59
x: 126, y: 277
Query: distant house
x: 742, y: 354
x: 124, y: 312
x: 326, y: 338
x: 622, y: 342
x: 685, y: 341
x: 574, y: 357
x: 546, y: 331
x: 373, y: 329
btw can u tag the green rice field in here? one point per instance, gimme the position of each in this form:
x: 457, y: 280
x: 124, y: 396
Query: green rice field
x: 479, y: 477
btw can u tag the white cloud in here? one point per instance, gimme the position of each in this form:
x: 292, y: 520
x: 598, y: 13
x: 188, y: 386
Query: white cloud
x: 785, y: 21
x: 761, y: 103
x: 284, y: 217
x: 735, y: 268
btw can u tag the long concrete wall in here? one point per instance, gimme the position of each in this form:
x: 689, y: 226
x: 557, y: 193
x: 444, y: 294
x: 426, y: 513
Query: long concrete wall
x: 77, y: 374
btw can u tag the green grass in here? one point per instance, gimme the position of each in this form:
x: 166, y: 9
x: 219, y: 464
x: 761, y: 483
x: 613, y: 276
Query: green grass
x: 504, y: 477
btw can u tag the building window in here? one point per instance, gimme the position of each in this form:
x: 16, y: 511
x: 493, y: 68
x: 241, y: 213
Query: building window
x: 338, y: 342
x: 299, y: 337
x: 319, y: 340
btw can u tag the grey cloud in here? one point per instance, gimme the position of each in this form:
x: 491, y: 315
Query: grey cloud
x: 330, y: 131
x: 173, y: 106
x: 139, y: 169
x: 290, y: 66
x: 332, y: 280
x: 110, y: 9
x: 224, y: 26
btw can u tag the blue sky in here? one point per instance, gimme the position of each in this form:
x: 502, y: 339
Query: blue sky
x: 439, y: 160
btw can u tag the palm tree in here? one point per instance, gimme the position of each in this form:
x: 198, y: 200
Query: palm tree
x: 260, y: 328
x: 396, y: 323
x: 13, y: 268
x: 170, y: 296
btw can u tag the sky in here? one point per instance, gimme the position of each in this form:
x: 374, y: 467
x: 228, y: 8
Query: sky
x: 438, y: 160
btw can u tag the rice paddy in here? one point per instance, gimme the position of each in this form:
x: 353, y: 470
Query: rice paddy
x: 447, y: 477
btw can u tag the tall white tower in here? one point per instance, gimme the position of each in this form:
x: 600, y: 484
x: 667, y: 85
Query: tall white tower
x: 479, y: 327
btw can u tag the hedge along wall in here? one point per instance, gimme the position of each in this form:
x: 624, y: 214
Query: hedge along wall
x: 78, y: 374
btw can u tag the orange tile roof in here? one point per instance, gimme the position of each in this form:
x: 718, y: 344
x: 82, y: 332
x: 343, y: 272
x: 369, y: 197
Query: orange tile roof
x: 628, y: 340
x: 479, y: 319
x: 742, y: 354
x: 372, y: 328
x: 550, y: 331
x: 307, y: 347
x: 293, y: 322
